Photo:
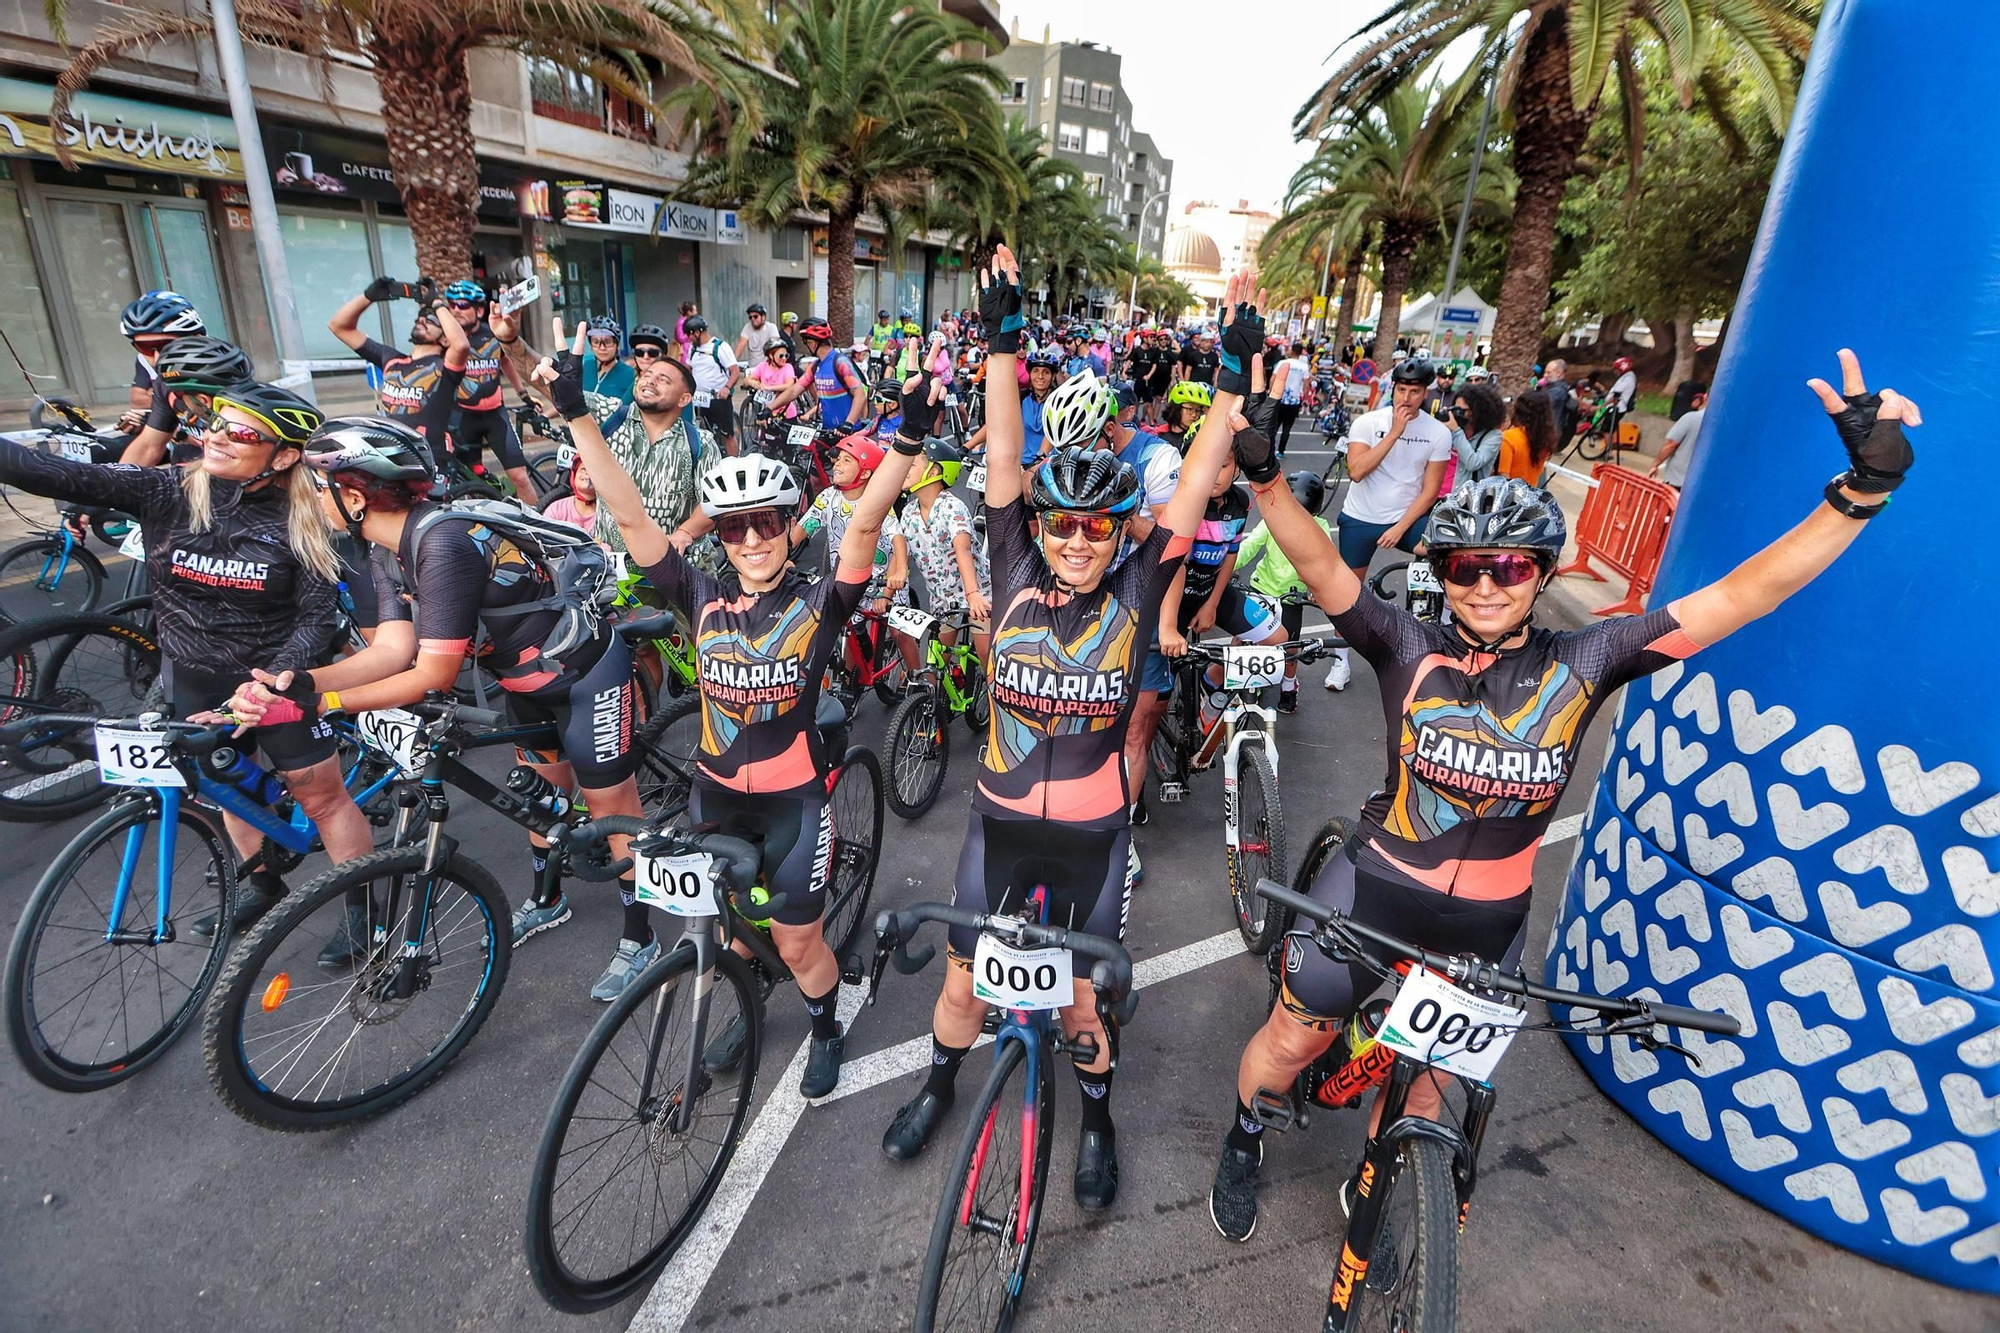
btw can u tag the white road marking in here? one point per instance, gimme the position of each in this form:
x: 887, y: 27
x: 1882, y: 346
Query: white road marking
x: 680, y: 1285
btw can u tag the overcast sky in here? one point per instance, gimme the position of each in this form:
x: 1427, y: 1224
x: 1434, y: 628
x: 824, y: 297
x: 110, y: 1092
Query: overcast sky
x: 1176, y: 59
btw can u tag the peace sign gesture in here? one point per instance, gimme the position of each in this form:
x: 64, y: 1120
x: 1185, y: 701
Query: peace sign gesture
x: 1870, y: 426
x: 563, y: 374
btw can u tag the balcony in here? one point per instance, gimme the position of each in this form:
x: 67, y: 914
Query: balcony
x: 985, y: 14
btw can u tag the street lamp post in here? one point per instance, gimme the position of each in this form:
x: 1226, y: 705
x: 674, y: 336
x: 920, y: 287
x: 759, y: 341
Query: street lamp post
x: 1132, y: 300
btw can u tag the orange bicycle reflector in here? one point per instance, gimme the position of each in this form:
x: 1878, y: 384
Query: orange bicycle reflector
x: 274, y: 994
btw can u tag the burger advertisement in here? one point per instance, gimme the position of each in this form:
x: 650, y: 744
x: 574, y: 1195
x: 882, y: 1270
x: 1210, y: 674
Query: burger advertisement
x: 582, y: 201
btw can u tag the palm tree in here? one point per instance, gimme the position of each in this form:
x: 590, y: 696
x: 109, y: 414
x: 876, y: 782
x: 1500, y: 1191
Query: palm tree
x: 1397, y: 169
x: 871, y: 108
x: 418, y: 50
x: 1553, y: 68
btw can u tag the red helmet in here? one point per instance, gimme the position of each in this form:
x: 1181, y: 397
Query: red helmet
x: 1622, y: 364
x: 863, y: 451
x: 818, y: 331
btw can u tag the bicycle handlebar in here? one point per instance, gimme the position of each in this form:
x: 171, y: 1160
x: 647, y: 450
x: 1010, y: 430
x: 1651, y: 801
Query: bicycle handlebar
x: 1110, y: 975
x: 1298, y: 650
x: 1345, y: 931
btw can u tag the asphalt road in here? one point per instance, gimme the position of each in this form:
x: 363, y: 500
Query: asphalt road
x: 150, y: 1207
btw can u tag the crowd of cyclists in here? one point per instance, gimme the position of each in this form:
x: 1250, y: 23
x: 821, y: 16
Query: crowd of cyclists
x: 1095, y: 498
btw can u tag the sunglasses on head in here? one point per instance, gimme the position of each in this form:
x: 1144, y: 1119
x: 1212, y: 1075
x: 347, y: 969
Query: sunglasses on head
x: 463, y: 305
x: 1507, y: 569
x: 237, y: 432
x: 734, y: 529
x: 1062, y: 525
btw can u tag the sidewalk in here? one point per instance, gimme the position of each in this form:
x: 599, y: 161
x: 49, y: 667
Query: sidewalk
x: 1578, y: 594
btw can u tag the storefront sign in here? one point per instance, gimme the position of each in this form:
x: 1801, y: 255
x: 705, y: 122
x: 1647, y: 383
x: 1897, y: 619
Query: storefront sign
x: 631, y: 211
x: 118, y: 131
x: 582, y: 202
x: 729, y: 229
x: 687, y: 222
x: 338, y: 166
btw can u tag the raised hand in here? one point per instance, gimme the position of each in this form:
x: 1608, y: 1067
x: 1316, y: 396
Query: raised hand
x: 563, y: 374
x: 1242, y: 334
x: 922, y: 392
x: 1000, y: 302
x: 1870, y: 427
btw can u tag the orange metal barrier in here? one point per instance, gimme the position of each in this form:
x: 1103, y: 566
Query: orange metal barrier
x: 1624, y: 525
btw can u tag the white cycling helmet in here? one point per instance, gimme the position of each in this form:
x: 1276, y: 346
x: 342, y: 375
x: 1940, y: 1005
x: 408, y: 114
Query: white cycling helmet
x: 753, y: 481
x: 1077, y: 412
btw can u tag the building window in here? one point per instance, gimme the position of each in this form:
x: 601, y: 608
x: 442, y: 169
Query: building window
x: 1097, y: 143
x: 788, y: 243
x: 1072, y: 92
x: 1093, y: 182
x: 1100, y: 97
x: 565, y: 95
x: 1045, y: 87
x: 1069, y: 138
x: 1017, y: 90
x: 1131, y: 222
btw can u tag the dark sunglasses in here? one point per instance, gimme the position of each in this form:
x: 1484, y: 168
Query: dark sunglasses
x: 647, y: 354
x: 237, y: 432
x: 734, y: 529
x: 463, y: 305
x: 1507, y: 569
x: 1062, y: 525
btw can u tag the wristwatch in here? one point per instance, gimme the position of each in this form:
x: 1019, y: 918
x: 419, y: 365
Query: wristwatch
x: 1842, y: 505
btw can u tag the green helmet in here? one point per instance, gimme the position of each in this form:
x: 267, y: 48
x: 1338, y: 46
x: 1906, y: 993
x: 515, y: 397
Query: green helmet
x: 291, y: 419
x: 1190, y: 391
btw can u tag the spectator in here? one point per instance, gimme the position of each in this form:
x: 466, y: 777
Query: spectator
x: 1675, y: 455
x: 758, y: 333
x: 1555, y: 387
x: 688, y: 309
x: 1288, y: 389
x: 1476, y: 415
x: 1529, y: 439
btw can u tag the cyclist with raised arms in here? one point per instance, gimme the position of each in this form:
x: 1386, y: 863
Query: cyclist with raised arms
x: 1051, y: 804
x: 481, y: 418
x: 419, y: 387
x: 763, y: 634
x: 1485, y: 717
x: 243, y: 575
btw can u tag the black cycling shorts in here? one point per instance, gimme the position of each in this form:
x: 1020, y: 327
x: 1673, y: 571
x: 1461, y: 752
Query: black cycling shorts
x: 473, y: 431
x: 1321, y: 993
x: 795, y: 833
x: 720, y: 414
x: 287, y: 746
x: 1087, y: 872
x: 594, y: 716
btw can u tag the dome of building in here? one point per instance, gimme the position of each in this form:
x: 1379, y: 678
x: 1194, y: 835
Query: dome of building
x: 1192, y: 250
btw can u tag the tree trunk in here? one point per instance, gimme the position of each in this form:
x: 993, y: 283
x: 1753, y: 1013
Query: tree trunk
x: 840, y: 277
x: 422, y: 74
x: 1611, y: 335
x: 1548, y: 131
x: 1399, y: 248
x: 1350, y: 293
x: 1684, y: 350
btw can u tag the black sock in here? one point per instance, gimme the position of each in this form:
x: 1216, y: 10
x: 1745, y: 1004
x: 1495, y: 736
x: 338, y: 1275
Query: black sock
x: 1096, y: 1089
x: 820, y: 1008
x: 540, y: 857
x: 944, y: 1067
x: 638, y: 925
x: 266, y: 882
x: 1247, y: 1132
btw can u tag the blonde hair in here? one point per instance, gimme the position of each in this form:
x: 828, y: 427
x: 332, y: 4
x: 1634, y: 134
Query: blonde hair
x: 305, y: 528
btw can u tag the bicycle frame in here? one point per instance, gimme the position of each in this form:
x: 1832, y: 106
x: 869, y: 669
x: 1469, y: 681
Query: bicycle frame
x: 1033, y: 1029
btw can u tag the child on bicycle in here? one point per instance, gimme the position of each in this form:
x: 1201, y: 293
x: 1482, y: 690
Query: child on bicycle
x: 1273, y: 575
x: 952, y: 558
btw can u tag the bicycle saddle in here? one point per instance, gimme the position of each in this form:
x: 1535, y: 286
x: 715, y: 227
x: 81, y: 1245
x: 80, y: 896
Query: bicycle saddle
x: 830, y: 714
x: 646, y: 625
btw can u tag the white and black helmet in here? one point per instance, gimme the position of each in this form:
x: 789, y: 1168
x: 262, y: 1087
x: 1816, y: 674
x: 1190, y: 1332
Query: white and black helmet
x: 753, y: 481
x: 1077, y: 412
x: 1498, y: 514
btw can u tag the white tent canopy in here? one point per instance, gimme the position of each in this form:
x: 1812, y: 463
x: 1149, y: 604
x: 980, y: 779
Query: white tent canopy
x: 1420, y: 315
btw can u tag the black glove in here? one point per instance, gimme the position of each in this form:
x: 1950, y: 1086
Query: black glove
x: 1877, y: 451
x: 920, y: 416
x: 387, y: 289
x: 1000, y: 313
x: 566, y: 390
x: 1242, y: 338
x: 1255, y: 456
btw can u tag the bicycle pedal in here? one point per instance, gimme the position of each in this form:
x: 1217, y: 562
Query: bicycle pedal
x: 1171, y: 793
x: 1273, y: 1111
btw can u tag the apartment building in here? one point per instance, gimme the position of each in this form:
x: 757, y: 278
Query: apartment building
x: 1073, y: 92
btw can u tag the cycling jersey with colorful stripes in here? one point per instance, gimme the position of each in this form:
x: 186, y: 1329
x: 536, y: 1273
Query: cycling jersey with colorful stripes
x: 1481, y: 745
x: 1065, y: 675
x: 479, y: 391
x: 762, y: 656
x: 836, y: 399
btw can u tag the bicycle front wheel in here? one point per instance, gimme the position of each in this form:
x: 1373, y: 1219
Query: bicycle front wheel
x: 85, y: 1012
x: 1412, y: 1278
x: 919, y: 744
x: 667, y: 744
x: 40, y: 578
x: 303, y: 1034
x: 1259, y: 849
x: 69, y: 664
x: 991, y: 1208
x: 855, y: 798
x: 617, y: 1185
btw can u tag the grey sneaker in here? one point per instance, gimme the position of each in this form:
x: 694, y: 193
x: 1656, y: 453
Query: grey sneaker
x: 632, y: 959
x: 532, y: 918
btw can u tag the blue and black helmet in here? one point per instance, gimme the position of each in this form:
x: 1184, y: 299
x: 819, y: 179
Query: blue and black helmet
x: 465, y: 289
x: 1087, y: 481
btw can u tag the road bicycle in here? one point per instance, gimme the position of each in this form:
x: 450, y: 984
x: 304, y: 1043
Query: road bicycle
x: 869, y: 657
x: 1436, y: 1016
x: 983, y: 1238
x: 104, y: 971
x: 293, y: 1042
x: 647, y: 1118
x: 950, y: 684
x: 1422, y: 595
x: 1240, y: 730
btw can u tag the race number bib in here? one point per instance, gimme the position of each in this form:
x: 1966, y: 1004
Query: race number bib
x: 911, y: 621
x: 1252, y: 666
x: 1436, y: 1023
x: 975, y: 479
x: 679, y: 885
x: 800, y: 436
x: 1021, y: 978
x: 951, y: 400
x: 764, y: 397
x: 134, y: 545
x: 702, y: 398
x: 75, y: 450
x: 394, y: 731
x: 1420, y: 577
x: 565, y: 457
x: 133, y: 758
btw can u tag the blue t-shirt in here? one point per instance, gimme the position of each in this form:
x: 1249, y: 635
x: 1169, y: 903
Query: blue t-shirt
x: 835, y: 399
x: 1031, y: 430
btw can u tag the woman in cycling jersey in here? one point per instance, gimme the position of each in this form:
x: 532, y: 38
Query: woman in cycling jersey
x: 1485, y: 719
x: 1051, y: 807
x: 763, y: 636
x: 243, y: 575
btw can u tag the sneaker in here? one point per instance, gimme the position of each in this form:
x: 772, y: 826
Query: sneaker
x: 532, y: 918
x: 1232, y: 1203
x: 631, y: 959
x: 350, y: 942
x: 250, y: 903
x: 914, y: 1124
x: 1288, y: 701
x: 1134, y: 872
x: 726, y: 1051
x: 823, y: 1066
x: 1096, y: 1182
x: 1140, y: 815
x: 1338, y: 674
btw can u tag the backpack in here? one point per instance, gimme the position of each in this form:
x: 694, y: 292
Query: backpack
x: 582, y: 573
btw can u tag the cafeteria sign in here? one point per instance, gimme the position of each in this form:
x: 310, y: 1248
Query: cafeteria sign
x: 118, y: 131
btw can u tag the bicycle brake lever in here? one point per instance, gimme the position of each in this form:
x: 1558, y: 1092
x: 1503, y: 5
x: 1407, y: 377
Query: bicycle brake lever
x: 1652, y: 1043
x: 875, y: 969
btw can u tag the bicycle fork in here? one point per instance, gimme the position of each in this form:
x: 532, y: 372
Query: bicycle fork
x: 968, y: 1214
x: 128, y: 865
x: 1232, y: 758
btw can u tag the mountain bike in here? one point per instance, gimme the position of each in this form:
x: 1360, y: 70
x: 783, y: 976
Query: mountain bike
x: 1422, y: 594
x: 984, y: 1235
x: 869, y: 657
x: 1242, y: 732
x: 104, y: 971
x: 104, y: 666
x: 950, y: 684
x: 292, y: 1043
x: 1450, y: 1016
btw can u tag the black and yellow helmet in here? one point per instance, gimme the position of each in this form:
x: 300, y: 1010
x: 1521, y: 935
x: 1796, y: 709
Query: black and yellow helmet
x: 289, y: 418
